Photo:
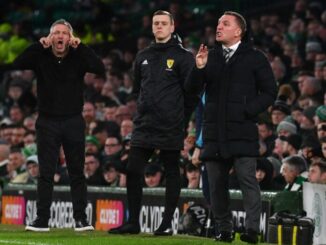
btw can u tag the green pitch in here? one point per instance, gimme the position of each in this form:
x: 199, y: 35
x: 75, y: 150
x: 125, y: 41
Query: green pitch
x: 15, y: 235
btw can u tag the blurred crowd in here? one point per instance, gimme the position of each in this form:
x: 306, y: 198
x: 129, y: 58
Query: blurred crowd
x: 292, y: 132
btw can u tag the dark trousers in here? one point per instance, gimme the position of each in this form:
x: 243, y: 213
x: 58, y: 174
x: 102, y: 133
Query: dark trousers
x: 205, y: 187
x: 51, y: 135
x: 138, y: 157
x: 218, y: 175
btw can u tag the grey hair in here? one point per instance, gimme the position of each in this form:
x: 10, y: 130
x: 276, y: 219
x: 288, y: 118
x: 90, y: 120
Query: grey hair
x: 61, y: 22
x: 296, y: 163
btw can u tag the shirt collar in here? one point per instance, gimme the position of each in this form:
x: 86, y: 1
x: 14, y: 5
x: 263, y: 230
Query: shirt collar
x: 234, y: 47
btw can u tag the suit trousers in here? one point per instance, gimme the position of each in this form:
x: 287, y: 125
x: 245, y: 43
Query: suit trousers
x: 138, y: 157
x: 52, y: 133
x: 218, y: 176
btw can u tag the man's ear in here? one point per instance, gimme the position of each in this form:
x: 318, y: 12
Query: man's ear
x: 172, y: 27
x: 238, y: 32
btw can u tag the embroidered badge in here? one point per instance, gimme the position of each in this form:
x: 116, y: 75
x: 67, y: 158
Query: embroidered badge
x: 169, y: 63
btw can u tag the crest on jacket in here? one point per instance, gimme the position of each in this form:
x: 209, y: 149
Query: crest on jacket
x: 169, y: 63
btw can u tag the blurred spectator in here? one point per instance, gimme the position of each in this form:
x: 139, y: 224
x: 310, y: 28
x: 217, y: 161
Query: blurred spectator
x: 131, y: 102
x: 296, y: 114
x: 92, y: 170
x: 101, y: 133
x: 292, y: 170
x: 264, y: 174
x: 279, y: 70
x: 91, y: 145
x: 312, y: 47
x: 29, y: 138
x: 112, y: 149
x: 16, y: 115
x: 19, y: 95
x: 124, y: 156
x: 89, y: 114
x: 32, y: 173
x: 304, y: 101
x: 111, y: 175
x: 17, y: 136
x: 142, y: 42
x: 317, y: 172
x: 6, y: 132
x: 127, y: 82
x: 310, y: 86
x: 29, y: 123
x: 310, y: 146
x: 109, y: 95
x: 278, y: 182
x: 323, y: 146
x: 307, y: 121
x: 321, y: 130
x: 126, y: 127
x: 188, y: 147
x: 17, y: 161
x: 32, y: 169
x: 286, y: 128
x: 320, y: 114
x: 193, y: 176
x: 153, y: 175
x: 279, y: 111
x: 278, y: 148
x: 291, y: 145
x: 286, y: 91
x: 4, y: 155
x: 110, y: 111
x: 122, y: 113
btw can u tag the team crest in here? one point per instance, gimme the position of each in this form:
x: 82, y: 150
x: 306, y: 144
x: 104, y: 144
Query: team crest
x: 169, y: 63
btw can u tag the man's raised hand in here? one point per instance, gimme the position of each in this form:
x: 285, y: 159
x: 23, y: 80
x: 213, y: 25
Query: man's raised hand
x: 74, y: 41
x: 201, y: 57
x: 46, y: 41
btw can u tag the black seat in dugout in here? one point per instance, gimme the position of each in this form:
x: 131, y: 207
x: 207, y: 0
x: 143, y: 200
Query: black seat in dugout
x: 286, y: 228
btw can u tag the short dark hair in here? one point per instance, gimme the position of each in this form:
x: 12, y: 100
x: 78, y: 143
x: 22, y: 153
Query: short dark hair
x: 163, y: 12
x: 321, y: 164
x: 240, y: 20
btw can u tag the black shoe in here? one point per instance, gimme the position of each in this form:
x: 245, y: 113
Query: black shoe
x: 39, y: 224
x: 224, y: 236
x: 163, y: 230
x: 250, y: 236
x: 83, y: 225
x: 128, y: 228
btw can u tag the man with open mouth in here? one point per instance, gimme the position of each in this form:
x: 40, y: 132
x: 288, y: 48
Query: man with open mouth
x: 60, y: 62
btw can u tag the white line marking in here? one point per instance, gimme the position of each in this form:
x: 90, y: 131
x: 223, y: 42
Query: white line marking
x: 23, y: 243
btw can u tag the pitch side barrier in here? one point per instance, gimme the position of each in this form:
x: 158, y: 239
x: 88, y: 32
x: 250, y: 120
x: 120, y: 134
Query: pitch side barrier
x: 107, y: 207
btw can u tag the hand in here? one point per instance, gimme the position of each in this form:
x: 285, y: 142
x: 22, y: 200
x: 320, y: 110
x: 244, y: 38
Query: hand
x: 74, y: 41
x: 195, y: 157
x: 201, y: 57
x: 46, y: 41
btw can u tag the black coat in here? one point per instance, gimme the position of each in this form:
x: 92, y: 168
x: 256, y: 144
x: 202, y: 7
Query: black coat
x: 236, y: 93
x: 162, y: 105
x: 60, y: 81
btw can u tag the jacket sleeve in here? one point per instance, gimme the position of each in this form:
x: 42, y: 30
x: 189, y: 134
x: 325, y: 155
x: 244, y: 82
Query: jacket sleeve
x: 266, y: 85
x: 92, y: 62
x: 195, y: 81
x: 190, y: 99
x: 28, y: 59
x: 137, y: 79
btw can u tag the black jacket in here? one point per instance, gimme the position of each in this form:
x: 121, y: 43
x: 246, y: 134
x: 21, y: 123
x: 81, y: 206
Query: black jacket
x: 236, y: 93
x: 60, y: 81
x: 162, y: 105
